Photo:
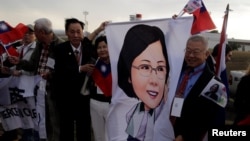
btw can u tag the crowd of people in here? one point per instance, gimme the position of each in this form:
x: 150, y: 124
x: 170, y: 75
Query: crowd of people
x: 76, y: 105
x: 61, y: 76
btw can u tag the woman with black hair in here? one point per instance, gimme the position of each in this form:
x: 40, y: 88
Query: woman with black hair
x: 100, y: 95
x: 143, y: 70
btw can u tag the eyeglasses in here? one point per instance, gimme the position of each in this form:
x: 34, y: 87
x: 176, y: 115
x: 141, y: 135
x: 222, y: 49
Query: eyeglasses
x: 146, y: 70
x: 194, y: 52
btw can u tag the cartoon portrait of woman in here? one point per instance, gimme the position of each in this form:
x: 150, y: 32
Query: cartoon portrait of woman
x: 143, y: 71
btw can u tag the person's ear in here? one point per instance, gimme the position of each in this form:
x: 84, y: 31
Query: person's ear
x: 207, y: 53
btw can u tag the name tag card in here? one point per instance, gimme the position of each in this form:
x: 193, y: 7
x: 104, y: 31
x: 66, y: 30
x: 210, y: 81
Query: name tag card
x: 50, y: 63
x: 177, y: 107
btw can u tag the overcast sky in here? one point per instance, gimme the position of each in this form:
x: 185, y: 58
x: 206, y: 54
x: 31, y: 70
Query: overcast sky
x: 27, y: 11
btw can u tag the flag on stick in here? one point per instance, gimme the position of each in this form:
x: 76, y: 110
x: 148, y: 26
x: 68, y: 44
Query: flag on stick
x: 220, y: 69
x: 10, y: 35
x: 202, y: 20
x: 102, y: 77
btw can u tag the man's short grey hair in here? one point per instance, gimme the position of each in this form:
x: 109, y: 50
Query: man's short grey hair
x: 44, y: 24
x: 199, y: 38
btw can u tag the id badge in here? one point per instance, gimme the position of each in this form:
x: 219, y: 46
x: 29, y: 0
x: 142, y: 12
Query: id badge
x: 177, y: 107
x: 50, y: 62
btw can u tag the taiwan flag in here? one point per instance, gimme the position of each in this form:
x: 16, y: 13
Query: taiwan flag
x: 102, y: 77
x: 202, y: 20
x: 10, y: 35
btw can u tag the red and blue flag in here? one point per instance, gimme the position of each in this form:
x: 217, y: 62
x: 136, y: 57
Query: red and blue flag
x: 202, y: 20
x: 221, y: 60
x: 102, y: 77
x: 10, y: 35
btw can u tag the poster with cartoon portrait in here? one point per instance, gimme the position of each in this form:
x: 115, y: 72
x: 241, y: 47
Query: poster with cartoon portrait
x: 146, y: 59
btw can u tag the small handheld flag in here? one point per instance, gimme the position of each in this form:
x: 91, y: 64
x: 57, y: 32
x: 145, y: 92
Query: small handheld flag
x: 10, y: 35
x: 102, y: 77
x: 202, y: 20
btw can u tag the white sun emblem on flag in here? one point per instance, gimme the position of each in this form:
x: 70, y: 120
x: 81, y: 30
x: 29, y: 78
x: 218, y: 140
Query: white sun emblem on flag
x: 3, y: 27
x: 103, y: 68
